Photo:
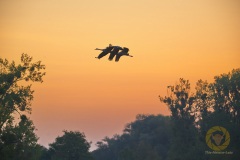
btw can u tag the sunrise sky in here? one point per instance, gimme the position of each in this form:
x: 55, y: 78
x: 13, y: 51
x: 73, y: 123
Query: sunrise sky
x: 169, y: 39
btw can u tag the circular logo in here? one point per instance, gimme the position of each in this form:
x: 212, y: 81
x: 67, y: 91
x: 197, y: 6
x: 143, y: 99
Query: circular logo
x: 217, y: 138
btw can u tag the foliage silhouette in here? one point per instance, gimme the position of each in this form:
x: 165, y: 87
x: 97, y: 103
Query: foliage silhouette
x: 17, y: 137
x: 71, y: 146
x: 146, y: 138
x: 182, y: 135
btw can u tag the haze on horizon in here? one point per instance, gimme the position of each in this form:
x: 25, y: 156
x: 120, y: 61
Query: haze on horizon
x: 168, y: 39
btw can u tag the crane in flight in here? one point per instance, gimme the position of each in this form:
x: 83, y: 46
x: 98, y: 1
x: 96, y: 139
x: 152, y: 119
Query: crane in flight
x: 124, y: 52
x: 104, y: 51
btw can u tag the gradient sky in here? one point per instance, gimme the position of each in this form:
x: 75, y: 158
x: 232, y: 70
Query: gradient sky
x: 169, y: 39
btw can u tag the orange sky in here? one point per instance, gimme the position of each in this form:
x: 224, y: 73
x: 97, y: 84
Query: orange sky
x: 169, y: 39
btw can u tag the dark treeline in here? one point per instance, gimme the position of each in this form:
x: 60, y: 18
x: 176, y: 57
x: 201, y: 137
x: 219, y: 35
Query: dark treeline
x: 203, y: 125
x: 182, y: 136
x: 146, y: 138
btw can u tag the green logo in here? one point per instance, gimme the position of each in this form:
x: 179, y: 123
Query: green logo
x: 217, y: 138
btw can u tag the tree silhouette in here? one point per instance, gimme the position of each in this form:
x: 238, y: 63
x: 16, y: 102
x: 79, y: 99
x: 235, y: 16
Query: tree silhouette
x: 15, y: 97
x: 17, y: 138
x: 71, y: 146
x: 185, y: 140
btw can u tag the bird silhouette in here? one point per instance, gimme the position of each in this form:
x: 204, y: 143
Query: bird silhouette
x: 115, y: 51
x: 104, y: 51
x: 124, y: 52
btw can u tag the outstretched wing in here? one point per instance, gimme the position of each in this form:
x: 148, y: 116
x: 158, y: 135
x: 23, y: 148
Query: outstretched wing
x: 118, y: 57
x: 104, y: 53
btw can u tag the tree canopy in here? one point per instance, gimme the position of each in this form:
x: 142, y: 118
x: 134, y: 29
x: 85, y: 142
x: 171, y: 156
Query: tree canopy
x: 17, y: 137
x: 14, y: 97
x: 71, y: 146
